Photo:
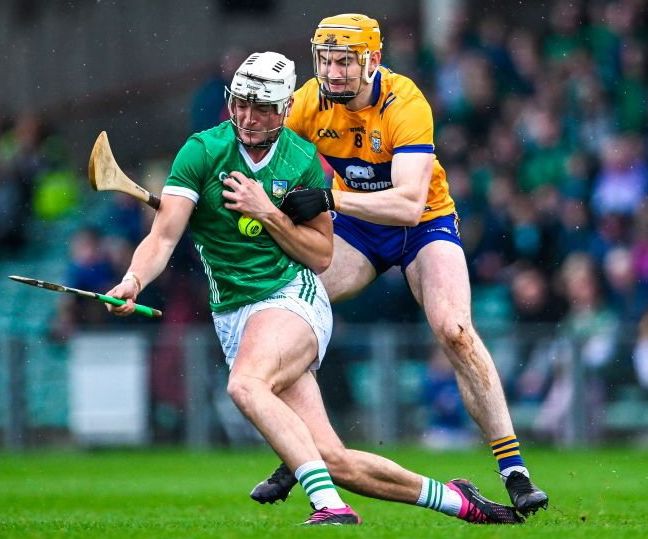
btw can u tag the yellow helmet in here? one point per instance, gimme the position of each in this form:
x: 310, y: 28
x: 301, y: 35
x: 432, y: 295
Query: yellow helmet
x: 349, y: 30
x: 346, y: 32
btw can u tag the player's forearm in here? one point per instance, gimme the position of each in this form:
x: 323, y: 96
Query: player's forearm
x: 403, y: 204
x: 150, y: 258
x: 302, y: 243
x: 390, y: 207
x: 153, y: 253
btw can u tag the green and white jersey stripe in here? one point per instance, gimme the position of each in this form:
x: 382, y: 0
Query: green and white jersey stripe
x: 241, y: 270
x: 214, y: 295
x: 309, y: 286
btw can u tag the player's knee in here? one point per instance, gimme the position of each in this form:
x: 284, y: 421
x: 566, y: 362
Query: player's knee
x: 241, y: 390
x: 237, y: 390
x: 456, y: 335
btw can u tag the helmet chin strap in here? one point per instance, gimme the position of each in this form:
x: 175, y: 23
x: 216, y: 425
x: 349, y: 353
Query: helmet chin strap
x: 272, y: 135
x: 341, y: 97
x: 267, y: 143
x: 337, y: 97
x: 345, y: 97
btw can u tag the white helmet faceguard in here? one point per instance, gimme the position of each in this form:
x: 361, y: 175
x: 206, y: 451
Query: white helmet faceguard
x: 266, y: 78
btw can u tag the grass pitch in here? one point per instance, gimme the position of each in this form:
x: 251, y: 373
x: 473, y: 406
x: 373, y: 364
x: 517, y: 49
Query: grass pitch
x: 177, y: 494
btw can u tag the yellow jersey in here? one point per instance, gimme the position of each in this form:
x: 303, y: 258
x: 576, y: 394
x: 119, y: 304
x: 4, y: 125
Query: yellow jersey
x: 360, y: 145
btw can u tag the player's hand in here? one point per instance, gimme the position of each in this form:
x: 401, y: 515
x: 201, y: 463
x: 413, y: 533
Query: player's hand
x: 246, y: 196
x: 126, y: 290
x: 306, y: 204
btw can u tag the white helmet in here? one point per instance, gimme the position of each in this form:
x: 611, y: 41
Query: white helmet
x: 266, y: 78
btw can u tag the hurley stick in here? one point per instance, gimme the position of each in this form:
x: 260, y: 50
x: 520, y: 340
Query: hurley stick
x: 140, y: 309
x: 105, y: 175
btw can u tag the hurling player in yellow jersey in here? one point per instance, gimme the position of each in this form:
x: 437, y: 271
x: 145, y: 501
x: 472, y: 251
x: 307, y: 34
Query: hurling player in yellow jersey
x: 393, y: 207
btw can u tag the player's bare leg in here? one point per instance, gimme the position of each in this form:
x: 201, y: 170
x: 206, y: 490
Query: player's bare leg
x: 276, y: 349
x: 439, y: 281
x: 374, y: 476
x: 358, y: 471
x: 348, y: 274
x: 438, y: 278
x: 265, y: 367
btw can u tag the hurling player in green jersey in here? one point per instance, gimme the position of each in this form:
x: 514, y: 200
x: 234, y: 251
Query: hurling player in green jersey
x: 270, y: 310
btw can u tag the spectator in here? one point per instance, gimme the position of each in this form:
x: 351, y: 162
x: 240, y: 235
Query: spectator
x: 587, y: 344
x: 208, y: 107
x: 622, y: 182
x: 20, y: 163
x: 537, y: 310
x: 630, y: 93
x: 574, y: 233
x: 626, y: 297
x: 89, y: 268
x: 546, y: 157
x: 566, y: 33
x: 448, y: 425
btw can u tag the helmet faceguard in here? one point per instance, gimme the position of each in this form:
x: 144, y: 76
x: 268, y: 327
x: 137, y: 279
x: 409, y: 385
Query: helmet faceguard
x: 347, y: 33
x: 266, y: 78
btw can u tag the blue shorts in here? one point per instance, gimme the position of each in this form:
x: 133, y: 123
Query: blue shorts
x: 386, y: 245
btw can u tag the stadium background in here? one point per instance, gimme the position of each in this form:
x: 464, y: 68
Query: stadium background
x: 541, y: 123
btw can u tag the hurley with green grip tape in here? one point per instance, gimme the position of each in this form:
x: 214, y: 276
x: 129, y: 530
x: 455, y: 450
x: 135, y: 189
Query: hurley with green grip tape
x: 139, y: 309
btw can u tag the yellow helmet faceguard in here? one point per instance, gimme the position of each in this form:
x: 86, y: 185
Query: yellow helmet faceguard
x: 349, y: 32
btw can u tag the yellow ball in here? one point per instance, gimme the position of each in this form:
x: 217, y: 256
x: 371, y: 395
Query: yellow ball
x: 249, y: 227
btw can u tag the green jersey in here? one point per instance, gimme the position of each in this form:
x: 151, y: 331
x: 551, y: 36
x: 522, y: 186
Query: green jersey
x: 240, y: 269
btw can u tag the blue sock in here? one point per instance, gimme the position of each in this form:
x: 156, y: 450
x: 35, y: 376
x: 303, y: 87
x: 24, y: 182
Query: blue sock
x: 507, y: 453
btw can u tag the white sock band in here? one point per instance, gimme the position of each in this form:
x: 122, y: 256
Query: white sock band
x: 438, y: 497
x: 315, y: 479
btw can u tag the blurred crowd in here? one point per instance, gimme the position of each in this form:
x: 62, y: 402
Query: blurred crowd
x: 37, y: 179
x: 544, y: 135
x: 543, y: 132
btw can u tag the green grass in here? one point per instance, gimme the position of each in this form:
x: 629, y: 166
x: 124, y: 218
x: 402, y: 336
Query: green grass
x: 176, y: 494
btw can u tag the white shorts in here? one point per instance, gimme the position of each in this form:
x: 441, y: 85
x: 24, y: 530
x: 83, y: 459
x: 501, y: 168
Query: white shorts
x: 304, y: 295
